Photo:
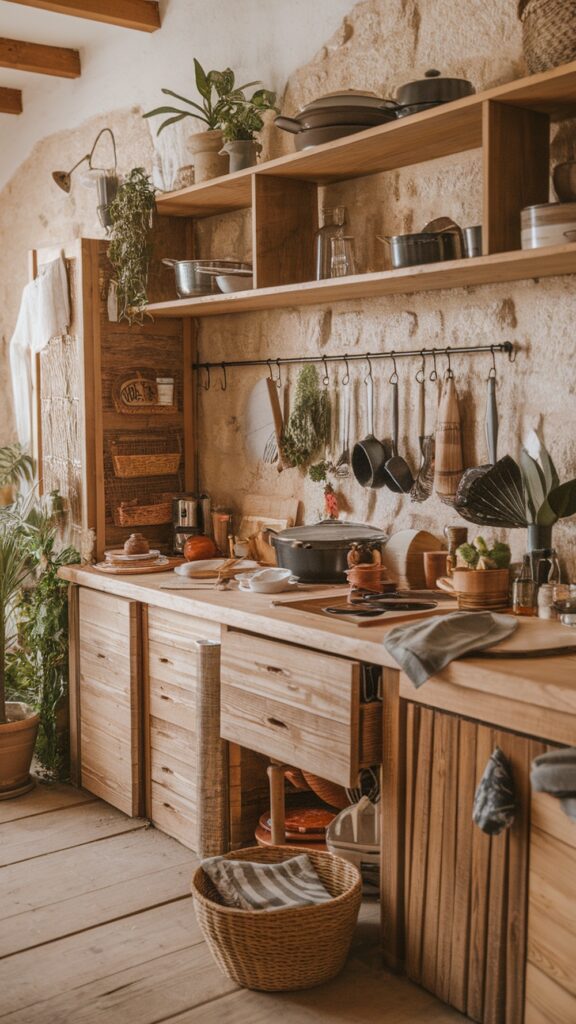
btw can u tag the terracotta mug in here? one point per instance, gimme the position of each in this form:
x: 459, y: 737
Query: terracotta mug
x: 434, y: 566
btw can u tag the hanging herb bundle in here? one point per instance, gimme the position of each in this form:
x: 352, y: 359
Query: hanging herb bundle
x: 308, y: 424
x: 130, y: 249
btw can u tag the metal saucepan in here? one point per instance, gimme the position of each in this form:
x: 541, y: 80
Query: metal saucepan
x: 191, y: 279
x: 398, y: 473
x: 433, y: 88
x: 369, y: 456
x: 433, y: 245
x: 318, y: 553
x: 326, y: 117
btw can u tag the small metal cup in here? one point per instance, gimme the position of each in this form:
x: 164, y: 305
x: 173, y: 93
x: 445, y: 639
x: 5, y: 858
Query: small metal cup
x: 473, y: 241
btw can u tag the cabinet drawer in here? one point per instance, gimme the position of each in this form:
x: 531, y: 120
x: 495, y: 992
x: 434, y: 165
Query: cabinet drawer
x: 174, y: 815
x: 292, y: 704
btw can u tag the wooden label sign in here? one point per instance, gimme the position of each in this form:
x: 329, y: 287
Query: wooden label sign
x: 136, y: 391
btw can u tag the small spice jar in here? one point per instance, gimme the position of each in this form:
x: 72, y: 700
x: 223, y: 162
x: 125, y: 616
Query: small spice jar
x: 546, y: 609
x: 165, y: 386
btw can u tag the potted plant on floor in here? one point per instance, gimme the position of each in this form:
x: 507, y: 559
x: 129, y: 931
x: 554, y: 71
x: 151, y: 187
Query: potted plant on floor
x: 220, y: 97
x: 18, y: 722
x: 241, y: 124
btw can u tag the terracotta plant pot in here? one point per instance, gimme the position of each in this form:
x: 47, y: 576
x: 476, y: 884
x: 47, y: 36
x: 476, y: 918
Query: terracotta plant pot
x: 17, y: 739
x: 207, y: 158
x: 242, y: 152
x: 479, y: 590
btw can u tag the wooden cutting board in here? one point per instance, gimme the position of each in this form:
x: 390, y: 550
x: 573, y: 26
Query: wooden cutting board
x: 316, y: 605
x: 534, y: 635
x: 136, y: 570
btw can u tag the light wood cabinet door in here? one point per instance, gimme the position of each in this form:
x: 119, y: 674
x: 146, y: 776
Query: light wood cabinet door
x: 293, y: 704
x: 109, y: 699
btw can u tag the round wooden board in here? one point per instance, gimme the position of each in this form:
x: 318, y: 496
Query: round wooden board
x: 136, y: 570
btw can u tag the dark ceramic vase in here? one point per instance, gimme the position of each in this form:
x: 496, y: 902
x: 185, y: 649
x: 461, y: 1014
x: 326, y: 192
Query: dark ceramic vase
x: 539, y: 537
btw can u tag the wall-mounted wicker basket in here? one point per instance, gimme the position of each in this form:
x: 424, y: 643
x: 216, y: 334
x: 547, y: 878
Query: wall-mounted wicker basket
x: 129, y: 513
x: 145, y: 455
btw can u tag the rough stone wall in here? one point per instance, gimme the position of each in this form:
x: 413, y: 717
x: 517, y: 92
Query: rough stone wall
x: 380, y: 45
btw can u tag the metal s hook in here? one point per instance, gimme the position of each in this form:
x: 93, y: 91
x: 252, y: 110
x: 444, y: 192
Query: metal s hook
x: 279, y: 378
x: 346, y: 377
x: 326, y: 377
x: 492, y: 371
x: 223, y: 382
x: 433, y: 373
x: 369, y: 374
x: 394, y: 375
x: 269, y: 364
x: 449, y: 374
x: 511, y: 350
x: 206, y: 384
x: 421, y: 373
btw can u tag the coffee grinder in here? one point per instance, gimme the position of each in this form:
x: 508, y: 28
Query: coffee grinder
x: 190, y: 517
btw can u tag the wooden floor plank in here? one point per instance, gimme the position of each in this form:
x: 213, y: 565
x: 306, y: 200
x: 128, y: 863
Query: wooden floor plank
x: 61, y: 830
x: 39, y: 975
x: 73, y: 890
x: 360, y: 995
x: 41, y: 799
x: 145, y: 993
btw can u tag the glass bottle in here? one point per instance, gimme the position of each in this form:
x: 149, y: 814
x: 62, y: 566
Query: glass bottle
x: 524, y: 590
x: 341, y: 256
x: 334, y: 220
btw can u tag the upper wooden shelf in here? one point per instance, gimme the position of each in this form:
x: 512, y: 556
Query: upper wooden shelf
x: 451, y: 128
x: 506, y: 266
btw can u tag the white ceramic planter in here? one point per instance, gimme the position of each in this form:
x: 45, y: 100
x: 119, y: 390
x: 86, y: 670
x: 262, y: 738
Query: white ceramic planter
x: 243, y: 153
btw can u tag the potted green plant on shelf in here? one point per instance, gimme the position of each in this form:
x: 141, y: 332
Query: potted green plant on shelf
x: 130, y: 248
x: 241, y: 124
x: 221, y: 100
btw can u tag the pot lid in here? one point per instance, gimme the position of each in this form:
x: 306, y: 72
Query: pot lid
x: 434, y: 87
x: 332, y: 533
x: 349, y: 98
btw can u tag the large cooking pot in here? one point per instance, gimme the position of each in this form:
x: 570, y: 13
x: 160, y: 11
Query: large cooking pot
x: 433, y: 88
x: 197, y: 277
x: 318, y: 553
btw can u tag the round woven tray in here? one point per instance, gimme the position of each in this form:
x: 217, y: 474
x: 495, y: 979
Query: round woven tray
x: 284, y: 949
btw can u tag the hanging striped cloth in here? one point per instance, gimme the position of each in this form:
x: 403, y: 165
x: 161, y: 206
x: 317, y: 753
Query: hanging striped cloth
x: 250, y: 886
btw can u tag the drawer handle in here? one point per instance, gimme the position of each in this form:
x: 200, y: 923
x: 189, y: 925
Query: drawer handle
x: 276, y: 722
x: 164, y: 697
x: 167, y: 770
x: 165, y: 661
x: 275, y: 671
x: 103, y: 656
x: 169, y: 806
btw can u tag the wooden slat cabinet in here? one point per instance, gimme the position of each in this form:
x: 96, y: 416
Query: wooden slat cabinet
x: 185, y: 763
x: 108, y: 704
x: 295, y: 705
x: 550, y: 974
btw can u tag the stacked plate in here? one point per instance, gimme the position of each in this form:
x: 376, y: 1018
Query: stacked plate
x: 336, y: 115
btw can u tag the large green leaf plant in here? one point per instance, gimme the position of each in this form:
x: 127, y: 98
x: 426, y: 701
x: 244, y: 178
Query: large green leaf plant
x: 547, y: 500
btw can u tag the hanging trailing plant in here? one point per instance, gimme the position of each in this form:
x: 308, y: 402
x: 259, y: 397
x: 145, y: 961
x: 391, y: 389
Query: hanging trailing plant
x: 308, y: 424
x: 130, y: 247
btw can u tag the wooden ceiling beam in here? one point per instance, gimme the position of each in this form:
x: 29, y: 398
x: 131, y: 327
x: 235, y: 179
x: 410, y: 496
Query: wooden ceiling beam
x: 143, y: 15
x: 44, y: 60
x: 10, y: 101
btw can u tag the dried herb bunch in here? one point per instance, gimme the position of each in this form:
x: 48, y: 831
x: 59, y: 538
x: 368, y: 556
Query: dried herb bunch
x: 309, y: 422
x: 130, y: 248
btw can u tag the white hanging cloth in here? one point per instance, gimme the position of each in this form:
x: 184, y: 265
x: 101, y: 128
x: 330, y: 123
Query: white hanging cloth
x: 44, y: 314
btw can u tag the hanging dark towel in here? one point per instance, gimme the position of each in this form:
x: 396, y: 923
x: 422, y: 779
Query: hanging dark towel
x: 555, y: 773
x: 494, y: 801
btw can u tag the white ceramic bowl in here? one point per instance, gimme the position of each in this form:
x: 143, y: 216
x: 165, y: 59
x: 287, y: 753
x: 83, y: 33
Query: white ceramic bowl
x: 266, y: 581
x: 209, y: 565
x: 234, y: 282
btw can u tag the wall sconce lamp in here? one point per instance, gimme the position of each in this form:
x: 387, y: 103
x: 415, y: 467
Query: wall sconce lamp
x: 64, y: 178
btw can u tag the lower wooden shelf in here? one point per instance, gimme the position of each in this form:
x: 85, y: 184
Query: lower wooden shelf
x: 500, y: 267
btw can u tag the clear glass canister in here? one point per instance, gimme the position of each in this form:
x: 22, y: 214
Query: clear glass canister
x: 334, y: 220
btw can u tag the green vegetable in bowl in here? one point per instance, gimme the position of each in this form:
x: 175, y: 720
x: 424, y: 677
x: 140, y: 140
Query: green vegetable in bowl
x: 468, y: 554
x: 500, y: 554
x: 481, y: 545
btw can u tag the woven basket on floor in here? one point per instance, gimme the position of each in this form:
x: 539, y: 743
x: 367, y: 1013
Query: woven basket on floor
x: 549, y: 32
x: 281, y: 950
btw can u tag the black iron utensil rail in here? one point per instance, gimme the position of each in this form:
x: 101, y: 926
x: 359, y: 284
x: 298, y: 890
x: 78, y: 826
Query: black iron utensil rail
x: 505, y: 347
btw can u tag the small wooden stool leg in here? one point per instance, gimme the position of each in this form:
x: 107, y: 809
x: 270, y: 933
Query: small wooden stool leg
x: 277, y: 804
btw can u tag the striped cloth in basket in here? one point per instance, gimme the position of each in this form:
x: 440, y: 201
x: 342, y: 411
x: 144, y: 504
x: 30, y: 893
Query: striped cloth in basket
x: 247, y: 885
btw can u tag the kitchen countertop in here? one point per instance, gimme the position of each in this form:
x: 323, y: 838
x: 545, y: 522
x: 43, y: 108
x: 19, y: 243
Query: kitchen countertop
x: 533, y: 696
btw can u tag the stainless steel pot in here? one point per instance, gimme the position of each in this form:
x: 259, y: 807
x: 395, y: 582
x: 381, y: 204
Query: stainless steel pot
x: 192, y: 279
x: 318, y: 553
x: 423, y: 247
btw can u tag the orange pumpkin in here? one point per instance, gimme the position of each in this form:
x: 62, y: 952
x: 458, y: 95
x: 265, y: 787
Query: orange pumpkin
x: 198, y: 547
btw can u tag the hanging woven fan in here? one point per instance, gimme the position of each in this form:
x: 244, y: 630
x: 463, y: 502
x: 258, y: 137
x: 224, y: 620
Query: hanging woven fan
x: 496, y: 498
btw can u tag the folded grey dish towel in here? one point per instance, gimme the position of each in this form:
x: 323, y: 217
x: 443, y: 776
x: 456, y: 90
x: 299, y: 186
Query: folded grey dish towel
x: 425, y: 647
x: 555, y: 773
x: 248, y: 885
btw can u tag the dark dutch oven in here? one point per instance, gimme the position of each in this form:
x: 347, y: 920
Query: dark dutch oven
x: 318, y: 553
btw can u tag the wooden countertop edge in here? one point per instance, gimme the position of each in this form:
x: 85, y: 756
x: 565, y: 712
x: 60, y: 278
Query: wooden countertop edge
x: 532, y: 696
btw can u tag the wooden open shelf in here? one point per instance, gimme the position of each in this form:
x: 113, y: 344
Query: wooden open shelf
x: 508, y: 266
x: 452, y: 128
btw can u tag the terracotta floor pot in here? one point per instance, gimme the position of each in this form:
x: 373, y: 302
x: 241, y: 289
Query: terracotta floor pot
x: 208, y: 161
x: 17, y: 739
